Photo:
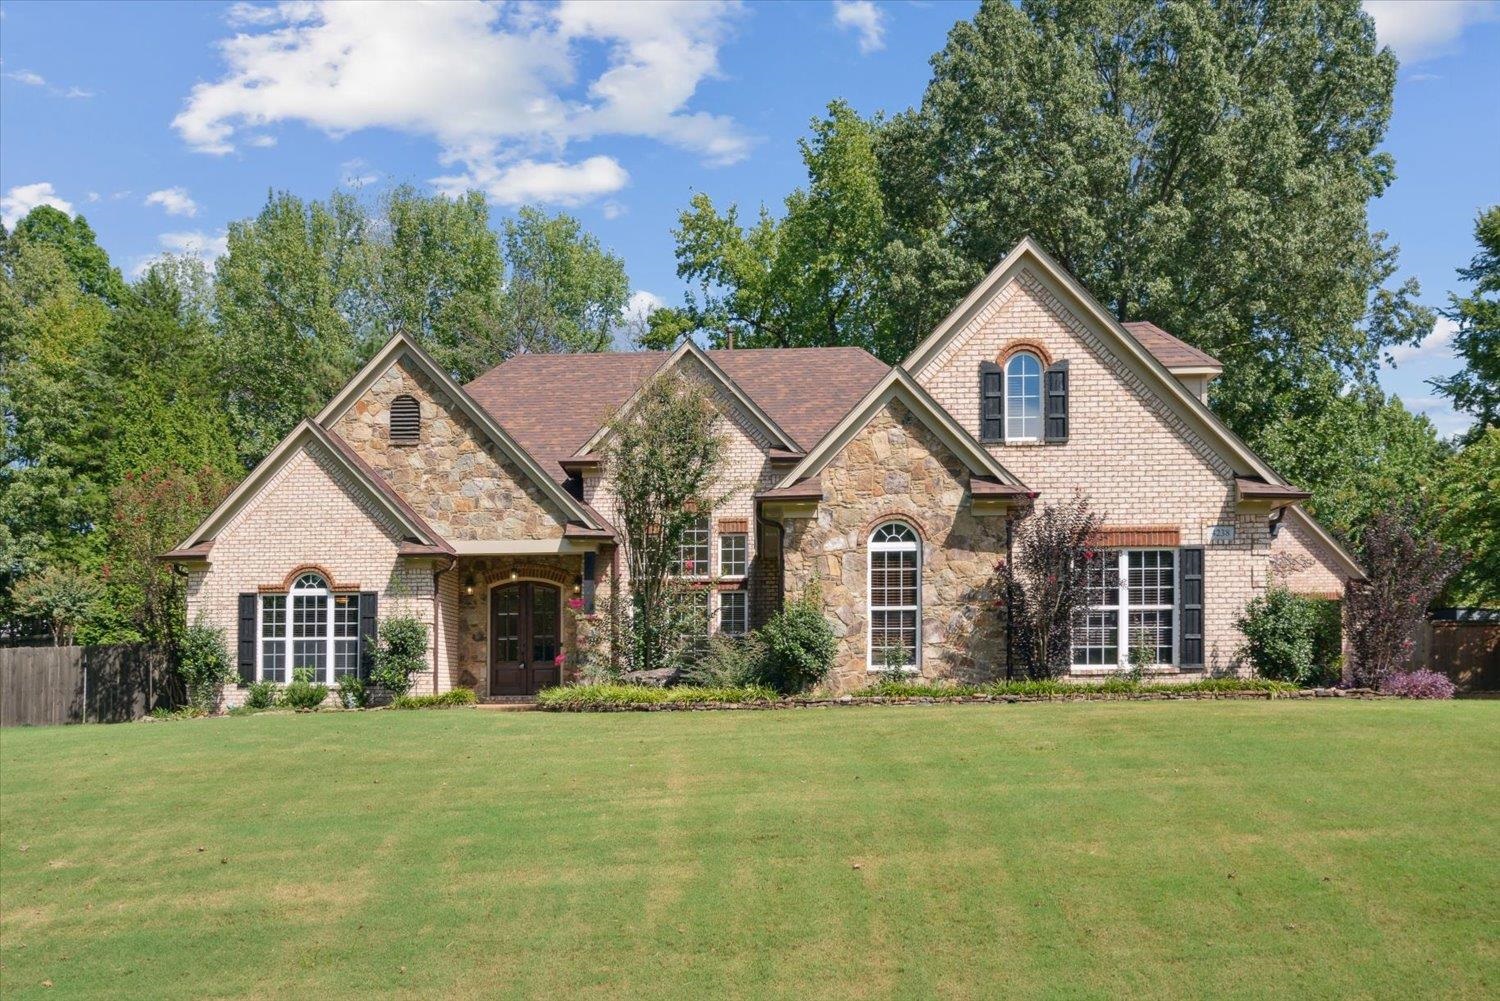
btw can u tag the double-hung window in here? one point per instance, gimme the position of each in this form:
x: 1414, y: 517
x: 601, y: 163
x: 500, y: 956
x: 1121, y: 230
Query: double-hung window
x: 1132, y: 603
x: 1023, y: 397
x: 309, y: 628
x: 734, y: 613
x: 693, y: 550
x: 895, y: 579
x: 733, y: 554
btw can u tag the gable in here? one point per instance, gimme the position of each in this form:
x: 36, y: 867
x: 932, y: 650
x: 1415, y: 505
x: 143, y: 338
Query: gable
x: 892, y: 460
x: 458, y: 479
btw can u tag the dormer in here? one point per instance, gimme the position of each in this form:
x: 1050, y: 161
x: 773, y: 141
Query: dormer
x: 1193, y: 368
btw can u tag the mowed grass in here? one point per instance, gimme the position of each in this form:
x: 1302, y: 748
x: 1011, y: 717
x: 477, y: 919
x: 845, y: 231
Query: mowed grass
x: 1163, y: 850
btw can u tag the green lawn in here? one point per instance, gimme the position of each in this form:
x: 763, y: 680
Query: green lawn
x: 1267, y: 849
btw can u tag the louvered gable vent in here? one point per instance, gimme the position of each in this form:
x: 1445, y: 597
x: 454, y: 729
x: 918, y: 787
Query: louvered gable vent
x: 406, y: 421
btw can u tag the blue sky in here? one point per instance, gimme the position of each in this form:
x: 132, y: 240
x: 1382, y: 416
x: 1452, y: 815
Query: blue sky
x: 163, y: 122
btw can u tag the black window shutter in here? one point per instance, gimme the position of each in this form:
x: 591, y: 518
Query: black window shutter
x: 590, y: 578
x: 368, y: 603
x: 1057, y: 402
x: 1190, y: 605
x: 246, y: 647
x: 991, y: 403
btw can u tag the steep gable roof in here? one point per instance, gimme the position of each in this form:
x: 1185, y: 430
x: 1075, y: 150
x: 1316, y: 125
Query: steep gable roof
x: 400, y: 348
x: 553, y: 404
x: 308, y: 432
x: 1027, y: 254
x: 898, y: 385
x: 1179, y: 357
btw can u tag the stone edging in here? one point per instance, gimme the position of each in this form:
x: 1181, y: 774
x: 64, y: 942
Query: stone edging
x: 923, y: 700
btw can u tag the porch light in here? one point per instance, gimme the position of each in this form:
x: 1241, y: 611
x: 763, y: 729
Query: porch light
x: 513, y: 575
x: 469, y: 585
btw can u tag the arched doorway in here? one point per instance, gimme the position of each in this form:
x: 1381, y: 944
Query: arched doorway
x: 525, y: 637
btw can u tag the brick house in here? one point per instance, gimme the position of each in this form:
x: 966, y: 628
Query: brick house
x: 483, y: 509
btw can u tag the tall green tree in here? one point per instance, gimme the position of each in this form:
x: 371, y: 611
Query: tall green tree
x: 1476, y: 390
x: 79, y: 247
x: 293, y: 298
x: 813, y: 276
x: 1469, y: 497
x: 1204, y: 164
x: 563, y: 291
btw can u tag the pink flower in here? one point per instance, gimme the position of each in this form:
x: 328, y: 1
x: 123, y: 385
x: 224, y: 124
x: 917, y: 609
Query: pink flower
x: 561, y: 658
x: 575, y: 603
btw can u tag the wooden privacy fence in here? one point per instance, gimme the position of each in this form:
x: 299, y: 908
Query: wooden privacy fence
x: 83, y: 684
x: 1464, y: 644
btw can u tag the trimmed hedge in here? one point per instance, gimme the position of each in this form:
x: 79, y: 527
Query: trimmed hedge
x: 1110, y: 686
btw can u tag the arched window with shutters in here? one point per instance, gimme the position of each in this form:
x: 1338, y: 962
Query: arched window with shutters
x: 311, y: 627
x: 895, y: 597
x: 406, y: 421
x: 1023, y: 397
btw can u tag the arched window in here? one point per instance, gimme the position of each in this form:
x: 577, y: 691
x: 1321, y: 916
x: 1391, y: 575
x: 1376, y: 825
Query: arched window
x: 309, y: 628
x: 1023, y: 397
x: 406, y: 421
x: 895, y: 598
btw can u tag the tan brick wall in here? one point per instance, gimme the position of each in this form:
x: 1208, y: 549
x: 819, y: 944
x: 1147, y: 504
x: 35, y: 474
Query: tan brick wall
x: 309, y: 514
x: 464, y: 486
x: 1128, y: 450
x: 1303, y: 562
x: 895, y: 468
x: 746, y: 472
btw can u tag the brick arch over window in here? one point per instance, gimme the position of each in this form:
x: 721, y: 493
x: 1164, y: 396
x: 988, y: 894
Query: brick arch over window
x: 298, y: 571
x: 528, y: 571
x: 1016, y: 347
x: 894, y: 515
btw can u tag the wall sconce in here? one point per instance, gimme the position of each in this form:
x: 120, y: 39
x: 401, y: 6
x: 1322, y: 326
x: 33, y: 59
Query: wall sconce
x: 469, y: 585
x: 513, y: 575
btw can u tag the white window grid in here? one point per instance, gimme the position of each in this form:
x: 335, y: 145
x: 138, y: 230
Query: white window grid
x: 309, y: 627
x: 894, y: 601
x: 734, y: 552
x: 1137, y: 605
x: 693, y: 550
x: 734, y: 613
x: 1023, y: 397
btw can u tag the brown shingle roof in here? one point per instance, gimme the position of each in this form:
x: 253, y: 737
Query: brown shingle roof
x: 553, y: 404
x: 1171, y: 351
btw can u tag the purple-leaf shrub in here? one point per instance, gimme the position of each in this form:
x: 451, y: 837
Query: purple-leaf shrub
x: 1045, y: 581
x: 1422, y: 684
x: 1405, y: 569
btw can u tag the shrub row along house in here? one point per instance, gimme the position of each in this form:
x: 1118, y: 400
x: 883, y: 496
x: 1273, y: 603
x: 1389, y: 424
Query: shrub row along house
x: 485, y: 510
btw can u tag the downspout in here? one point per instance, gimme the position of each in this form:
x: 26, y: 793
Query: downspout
x: 761, y: 519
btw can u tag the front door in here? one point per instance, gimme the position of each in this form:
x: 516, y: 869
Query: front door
x: 524, y: 638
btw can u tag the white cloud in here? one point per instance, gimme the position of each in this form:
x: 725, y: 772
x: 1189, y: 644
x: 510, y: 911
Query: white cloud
x: 27, y: 77
x: 93, y: 196
x: 174, y: 200
x: 864, y: 19
x: 1439, y: 410
x: 641, y: 305
x: 22, y: 198
x: 356, y: 173
x: 77, y: 92
x: 634, y: 322
x: 503, y: 91
x: 261, y: 140
x: 1417, y: 31
x: 188, y: 243
x: 528, y: 181
x: 1436, y: 346
x: 612, y: 209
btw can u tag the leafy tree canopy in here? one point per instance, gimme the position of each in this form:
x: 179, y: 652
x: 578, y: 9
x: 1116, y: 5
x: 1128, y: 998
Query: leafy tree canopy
x: 1476, y: 390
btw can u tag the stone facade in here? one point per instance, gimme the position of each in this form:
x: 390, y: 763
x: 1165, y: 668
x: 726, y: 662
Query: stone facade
x: 465, y: 487
x: 898, y: 469
x: 469, y: 666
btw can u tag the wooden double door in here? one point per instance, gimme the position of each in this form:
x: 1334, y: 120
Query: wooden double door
x: 525, y: 638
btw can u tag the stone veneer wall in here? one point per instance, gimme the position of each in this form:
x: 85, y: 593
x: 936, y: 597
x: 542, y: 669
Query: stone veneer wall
x: 465, y: 487
x: 309, y: 514
x: 896, y: 468
x: 1128, y: 449
x: 747, y: 470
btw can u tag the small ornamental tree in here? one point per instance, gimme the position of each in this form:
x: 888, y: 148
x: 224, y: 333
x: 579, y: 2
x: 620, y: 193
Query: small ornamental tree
x: 664, y: 454
x: 1045, y: 583
x: 203, y: 664
x: 60, y: 596
x: 400, y: 653
x: 1405, y: 570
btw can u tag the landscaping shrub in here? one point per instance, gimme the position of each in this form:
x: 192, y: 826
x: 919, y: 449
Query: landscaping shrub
x: 352, y: 691
x: 1422, y: 684
x: 204, y: 665
x: 1044, y: 686
x: 731, y: 661
x: 302, y: 693
x: 261, y: 695
x: 1285, y: 634
x: 400, y: 653
x: 603, y: 696
x: 799, y: 645
x: 443, y: 700
x: 1045, y: 582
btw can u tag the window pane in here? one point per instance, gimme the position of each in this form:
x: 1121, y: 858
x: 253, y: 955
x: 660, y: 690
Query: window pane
x: 310, y: 634
x: 733, y: 619
x: 345, y: 635
x: 732, y: 555
x: 1096, y: 638
x: 1153, y: 629
x: 507, y: 623
x: 1103, y: 580
x: 543, y: 625
x: 692, y: 551
x: 273, y: 638
x: 895, y: 592
x: 1023, y: 397
x: 1152, y: 578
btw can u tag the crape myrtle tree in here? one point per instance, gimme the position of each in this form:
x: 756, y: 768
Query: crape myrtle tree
x: 664, y: 454
x: 1044, y: 580
x: 1405, y: 569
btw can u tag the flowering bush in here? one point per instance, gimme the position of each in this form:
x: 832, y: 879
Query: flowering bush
x: 1423, y: 684
x: 1046, y: 582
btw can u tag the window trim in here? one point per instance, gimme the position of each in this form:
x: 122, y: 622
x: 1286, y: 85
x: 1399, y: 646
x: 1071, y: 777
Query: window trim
x: 744, y: 538
x: 913, y: 546
x: 1123, y: 608
x: 300, y: 587
x: 743, y: 598
x: 706, y: 573
x: 1010, y: 409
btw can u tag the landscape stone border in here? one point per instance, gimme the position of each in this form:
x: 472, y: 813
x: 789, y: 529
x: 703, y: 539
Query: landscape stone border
x: 927, y: 700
